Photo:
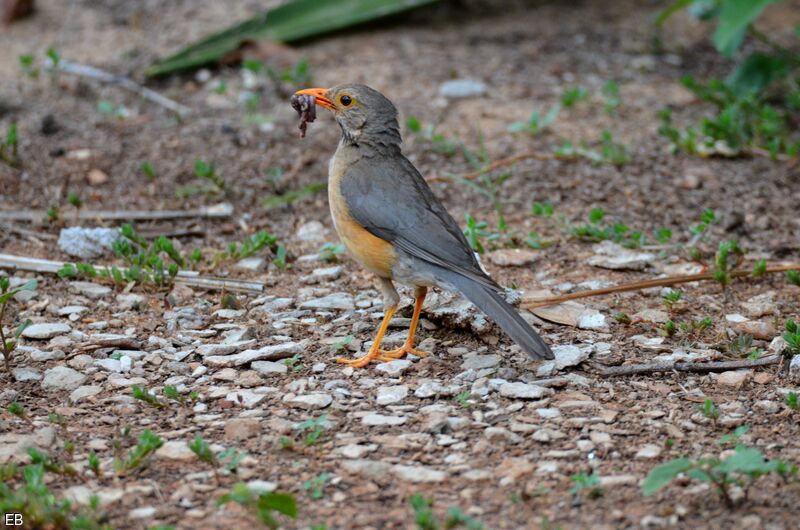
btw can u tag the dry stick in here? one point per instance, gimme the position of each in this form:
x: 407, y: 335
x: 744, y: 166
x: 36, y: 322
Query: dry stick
x: 190, y: 278
x: 214, y: 211
x: 91, y: 72
x: 646, y: 284
x: 498, y: 164
x: 648, y: 368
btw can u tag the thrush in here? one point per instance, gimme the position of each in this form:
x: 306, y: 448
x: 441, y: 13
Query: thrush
x: 391, y: 222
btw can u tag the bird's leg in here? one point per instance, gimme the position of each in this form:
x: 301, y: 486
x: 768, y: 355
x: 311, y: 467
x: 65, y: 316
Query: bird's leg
x: 390, y: 300
x: 408, y: 346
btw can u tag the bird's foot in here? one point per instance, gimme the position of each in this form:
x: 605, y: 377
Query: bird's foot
x: 377, y: 354
x: 391, y: 355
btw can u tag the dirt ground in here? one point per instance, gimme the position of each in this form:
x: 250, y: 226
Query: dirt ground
x: 504, y: 460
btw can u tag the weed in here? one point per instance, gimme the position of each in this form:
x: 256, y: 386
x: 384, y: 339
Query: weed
x: 280, y: 257
x: 213, y: 183
x: 298, y: 75
x: 330, y: 252
x: 148, y: 443
x: 588, y: 483
x: 9, y: 147
x: 792, y: 337
x: 540, y: 209
x: 534, y: 240
x: 28, y: 65
x: 148, y: 170
x: 793, y: 277
x: 428, y: 135
x: 613, y: 152
x: 316, y: 485
x: 672, y: 298
x: 265, y: 506
x: 15, y: 409
x: 536, y: 122
x: 115, y: 111
x: 344, y: 343
x: 251, y: 245
x: 742, y: 469
x: 722, y: 263
x: 50, y: 464
x: 623, y: 318
x: 573, y: 95
x: 94, y: 464
x: 294, y: 363
x: 792, y: 401
x: 595, y: 230
x: 6, y: 295
x: 289, y: 197
x: 54, y: 56
x: 476, y: 231
x: 709, y: 410
x: 314, y: 429
x: 663, y: 235
x: 611, y: 92
x: 425, y: 519
x: 464, y: 399
x: 759, y: 268
x: 142, y: 394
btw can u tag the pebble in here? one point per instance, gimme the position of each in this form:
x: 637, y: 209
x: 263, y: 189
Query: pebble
x: 242, y: 428
x: 377, y: 420
x: 62, y: 378
x: 524, y: 391
x: 462, y: 88
x: 757, y: 329
x: 267, y: 353
x: 87, y: 243
x: 418, y: 474
x: 44, y: 331
x: 89, y: 289
x: 72, y: 309
x: 145, y: 512
x: 84, y: 392
x: 343, y: 301
x: 224, y: 348
x: 312, y: 232
x: 248, y: 398
x: 513, y: 257
x: 26, y: 373
x: 388, y: 395
x: 356, y: 450
x: 648, y: 452
x: 269, y: 367
x: 175, y: 450
x: 309, y: 401
x: 610, y: 255
x: 394, y: 368
x: 794, y: 369
x: 479, y: 362
x: 734, y: 378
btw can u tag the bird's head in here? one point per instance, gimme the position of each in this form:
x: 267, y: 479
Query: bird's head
x: 365, y: 115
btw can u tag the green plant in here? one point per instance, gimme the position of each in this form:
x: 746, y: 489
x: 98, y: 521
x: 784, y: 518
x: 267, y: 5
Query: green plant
x: 148, y: 170
x: 94, y: 464
x: 142, y: 394
x: 613, y: 152
x: 9, y: 148
x: 316, y: 485
x: 330, y: 252
x: 573, y: 95
x: 540, y: 209
x: 116, y: 111
x: 425, y: 519
x: 792, y: 337
x: 289, y: 197
x: 536, y: 122
x: 212, y: 182
x: 476, y: 231
x: 596, y: 230
x: 251, y: 245
x: 428, y: 135
x: 15, y: 409
x: 28, y: 65
x: 743, y: 468
x: 709, y: 410
x: 314, y: 429
x: 229, y: 459
x: 611, y: 92
x: 759, y: 268
x: 280, y: 257
x: 792, y: 401
x: 793, y: 277
x: 298, y: 75
x: 463, y: 399
x: 672, y: 298
x: 148, y: 443
x: 54, y: 56
x: 266, y: 506
x: 6, y: 295
x: 623, y: 318
x: 344, y: 343
x: 722, y: 263
x: 588, y: 483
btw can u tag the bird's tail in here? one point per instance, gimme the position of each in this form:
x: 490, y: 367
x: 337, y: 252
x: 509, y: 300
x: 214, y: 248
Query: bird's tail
x: 495, y: 307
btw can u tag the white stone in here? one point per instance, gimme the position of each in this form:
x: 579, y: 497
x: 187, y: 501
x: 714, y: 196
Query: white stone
x: 267, y: 353
x: 175, y: 450
x: 343, y: 301
x: 376, y: 420
x: 83, y: 392
x: 309, y: 401
x: 462, y: 88
x: 269, y: 367
x: 43, y: 331
x: 524, y: 391
x: 89, y: 289
x: 62, y: 378
x: 418, y: 474
x: 648, y: 452
x: 391, y: 394
x: 394, y: 368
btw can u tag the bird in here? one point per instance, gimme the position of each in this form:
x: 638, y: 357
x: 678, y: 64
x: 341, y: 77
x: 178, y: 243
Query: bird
x: 391, y: 222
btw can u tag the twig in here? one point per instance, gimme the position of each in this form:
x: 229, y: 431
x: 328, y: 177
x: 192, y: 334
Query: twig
x: 214, y: 211
x: 646, y: 284
x: 92, y: 72
x: 702, y: 368
x: 498, y: 164
x: 190, y: 278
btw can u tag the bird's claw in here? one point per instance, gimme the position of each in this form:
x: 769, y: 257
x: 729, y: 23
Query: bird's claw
x: 381, y: 355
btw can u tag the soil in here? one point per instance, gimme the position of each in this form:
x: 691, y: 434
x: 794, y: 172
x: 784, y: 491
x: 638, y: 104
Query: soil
x: 526, y: 53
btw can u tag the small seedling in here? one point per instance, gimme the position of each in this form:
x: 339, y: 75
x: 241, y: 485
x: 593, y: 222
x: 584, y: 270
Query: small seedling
x: 142, y: 394
x: 294, y: 363
x: 464, y: 399
x: 314, y: 428
x: 266, y: 506
x: 740, y: 431
x: 588, y: 483
x: 28, y: 65
x: 759, y: 268
x: 289, y: 197
x: 723, y: 264
x: 316, y: 485
x: 428, y: 135
x: 94, y: 464
x: 148, y: 170
x: 573, y: 95
x: 612, y: 151
x: 792, y: 401
x: 330, y: 252
x: 280, y: 257
x: 540, y: 209
x: 611, y: 92
x: 476, y: 231
x: 423, y: 512
x: 9, y: 344
x: 18, y: 410
x: 792, y: 337
x: 709, y: 410
x: 116, y: 111
x: 623, y: 318
x: 536, y: 122
x: 344, y: 343
x: 793, y: 277
x: 663, y: 235
x: 148, y: 443
x: 672, y: 298
x: 9, y: 148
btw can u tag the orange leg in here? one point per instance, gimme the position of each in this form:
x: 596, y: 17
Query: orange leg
x: 408, y: 346
x: 374, y: 352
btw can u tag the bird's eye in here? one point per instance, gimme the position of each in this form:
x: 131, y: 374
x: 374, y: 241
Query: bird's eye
x: 345, y: 100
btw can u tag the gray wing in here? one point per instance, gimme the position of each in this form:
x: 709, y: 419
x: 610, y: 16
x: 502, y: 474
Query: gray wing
x: 392, y: 201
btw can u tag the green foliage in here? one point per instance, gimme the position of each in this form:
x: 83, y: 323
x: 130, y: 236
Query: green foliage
x: 672, y: 298
x: 463, y: 399
x: 298, y: 75
x: 314, y: 429
x: 793, y: 277
x: 9, y: 344
x: 476, y: 233
x: 265, y: 506
x: 574, y: 95
x: 792, y: 337
x: 116, y: 111
x: 148, y: 170
x: 289, y: 197
x: 611, y: 93
x: 425, y: 519
x: 669, y: 328
x: 142, y: 394
x: 596, y: 230
x: 536, y: 122
x: 15, y: 409
x: 251, y: 245
x: 792, y: 401
x: 759, y: 268
x: 709, y: 410
x: 316, y: 485
x: 588, y: 483
x: 330, y: 252
x: 540, y: 209
x: 722, y: 264
x: 344, y: 343
x: 212, y: 182
x: 148, y: 443
x: 28, y: 65
x: 427, y: 135
x: 741, y: 469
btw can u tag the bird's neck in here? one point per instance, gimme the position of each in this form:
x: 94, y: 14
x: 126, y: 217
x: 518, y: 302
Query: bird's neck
x: 370, y: 140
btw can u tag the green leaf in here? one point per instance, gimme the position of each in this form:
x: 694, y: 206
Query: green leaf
x: 664, y: 474
x: 756, y: 73
x: 734, y: 18
x: 289, y: 22
x: 744, y: 460
x: 21, y: 328
x: 280, y: 502
x: 671, y: 10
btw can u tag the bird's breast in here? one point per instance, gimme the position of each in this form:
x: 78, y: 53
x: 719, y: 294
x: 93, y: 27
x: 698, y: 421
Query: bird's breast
x: 375, y: 254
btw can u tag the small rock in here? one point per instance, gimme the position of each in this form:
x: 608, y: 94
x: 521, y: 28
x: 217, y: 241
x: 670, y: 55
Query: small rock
x: 89, y: 289
x: 242, y: 428
x: 757, y: 329
x: 648, y: 452
x: 498, y: 434
x: 768, y: 406
x: 309, y: 401
x: 761, y: 305
x: 734, y: 378
x: 418, y: 474
x: 343, y: 301
x: 479, y: 362
x: 610, y: 255
x: 523, y: 391
x: 394, y: 368
x: 391, y: 394
x: 26, y: 373
x: 651, y: 316
x: 62, y: 378
x: 325, y: 274
x: 43, y: 331
x: 87, y: 243
x: 267, y: 353
x: 269, y: 367
x: 462, y: 88
x: 794, y: 369
x: 145, y: 512
x: 355, y: 450
x: 252, y: 264
x: 247, y: 398
x: 313, y: 232
x: 84, y: 392
x: 175, y: 450
x: 261, y: 486
x: 379, y: 420
x: 513, y: 257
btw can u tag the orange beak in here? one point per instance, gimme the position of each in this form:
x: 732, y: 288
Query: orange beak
x: 318, y: 93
